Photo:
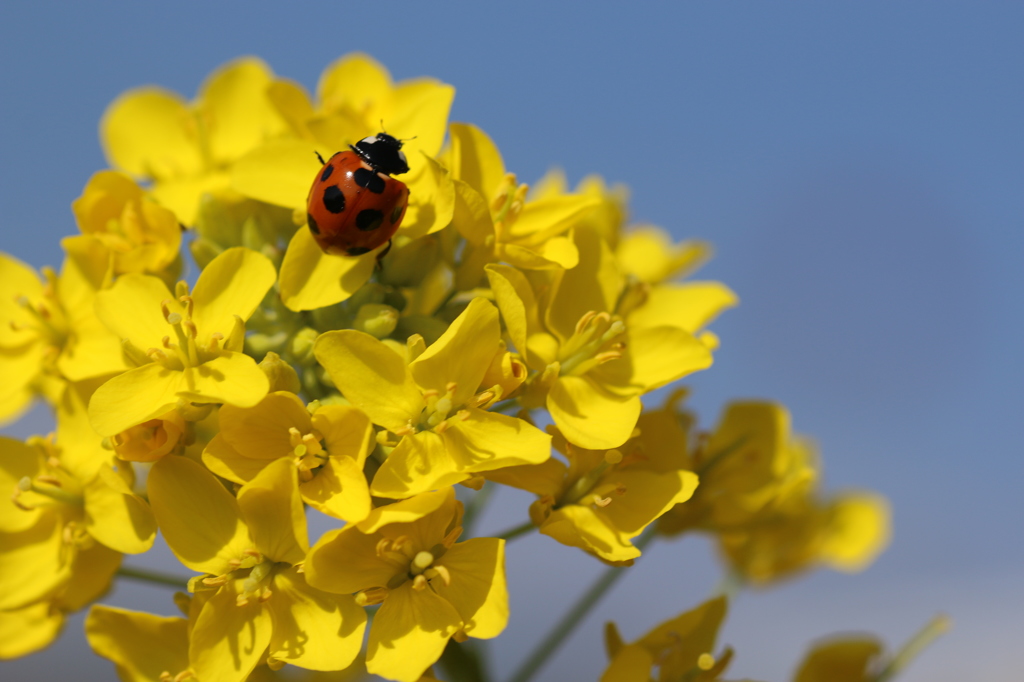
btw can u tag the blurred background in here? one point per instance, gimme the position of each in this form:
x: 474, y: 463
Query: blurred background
x: 859, y: 168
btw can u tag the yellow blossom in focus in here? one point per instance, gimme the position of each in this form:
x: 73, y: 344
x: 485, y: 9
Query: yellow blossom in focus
x: 603, y: 499
x: 327, y: 448
x: 434, y: 404
x: 186, y: 149
x: 141, y: 235
x: 259, y: 608
x: 432, y: 587
x: 188, y: 347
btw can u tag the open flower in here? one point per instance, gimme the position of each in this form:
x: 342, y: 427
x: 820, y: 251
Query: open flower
x: 327, y: 448
x: 591, y: 365
x: 430, y: 587
x: 189, y: 346
x: 186, y: 149
x: 433, y: 404
x: 256, y: 604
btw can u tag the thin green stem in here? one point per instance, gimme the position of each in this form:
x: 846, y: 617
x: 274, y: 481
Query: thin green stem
x: 156, y: 577
x: 575, y: 615
x: 928, y: 634
x: 513, y: 533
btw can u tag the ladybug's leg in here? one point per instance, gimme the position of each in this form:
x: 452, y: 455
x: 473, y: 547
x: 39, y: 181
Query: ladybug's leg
x: 380, y: 256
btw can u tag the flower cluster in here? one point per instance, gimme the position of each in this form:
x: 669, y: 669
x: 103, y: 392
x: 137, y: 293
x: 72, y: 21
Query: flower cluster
x: 509, y: 338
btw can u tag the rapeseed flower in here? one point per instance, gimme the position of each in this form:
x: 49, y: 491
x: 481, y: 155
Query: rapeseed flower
x: 430, y: 587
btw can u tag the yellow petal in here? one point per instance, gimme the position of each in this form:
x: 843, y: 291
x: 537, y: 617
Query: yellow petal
x: 237, y: 111
x: 590, y: 417
x: 541, y: 479
x: 339, y: 489
x: 131, y: 309
x: 371, y: 376
x: 654, y: 356
x: 475, y: 159
x: 28, y: 629
x: 419, y: 463
x: 345, y: 561
x: 232, y: 284
x: 347, y: 432
x: 406, y: 511
x: 17, y: 461
x: 649, y: 254
x: 409, y: 633
x: 312, y: 279
x: 273, y: 511
x: 141, y: 645
x: 593, y: 285
x: 477, y: 589
x: 223, y: 460
x: 30, y: 563
x: 519, y: 310
x: 313, y: 629
x: 354, y: 80
x: 631, y: 663
x: 462, y: 354
x: 487, y: 440
x: 583, y: 527
x: 639, y: 497
x: 261, y: 431
x: 431, y: 200
x: 150, y: 133
x: 848, y: 659
x: 115, y: 516
x: 198, y: 517
x: 688, y: 635
x: 471, y: 217
x: 543, y: 219
x: 232, y: 378
x: 17, y: 282
x: 419, y: 114
x: 134, y: 397
x: 279, y: 172
x: 92, y: 575
x: 229, y: 640
x: 689, y: 306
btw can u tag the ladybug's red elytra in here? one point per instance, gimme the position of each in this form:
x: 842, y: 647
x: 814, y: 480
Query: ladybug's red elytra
x: 355, y: 205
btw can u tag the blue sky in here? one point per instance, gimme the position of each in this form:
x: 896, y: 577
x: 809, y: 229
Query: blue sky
x: 858, y: 166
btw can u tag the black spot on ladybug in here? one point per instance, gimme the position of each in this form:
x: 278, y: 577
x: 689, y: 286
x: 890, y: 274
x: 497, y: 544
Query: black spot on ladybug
x: 396, y: 213
x: 357, y: 250
x: 328, y: 169
x: 314, y: 228
x: 370, y: 180
x: 334, y: 199
x: 369, y: 219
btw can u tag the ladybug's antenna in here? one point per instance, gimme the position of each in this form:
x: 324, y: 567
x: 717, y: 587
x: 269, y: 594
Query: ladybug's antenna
x: 322, y: 162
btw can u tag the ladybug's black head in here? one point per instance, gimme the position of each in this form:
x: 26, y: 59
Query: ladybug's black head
x: 383, y: 153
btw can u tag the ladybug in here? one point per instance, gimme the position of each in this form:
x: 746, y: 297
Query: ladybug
x: 355, y: 205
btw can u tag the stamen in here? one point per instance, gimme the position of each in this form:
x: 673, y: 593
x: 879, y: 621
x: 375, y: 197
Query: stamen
x: 371, y: 596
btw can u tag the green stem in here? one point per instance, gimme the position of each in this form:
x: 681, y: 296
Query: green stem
x: 928, y: 634
x: 165, y: 579
x: 513, y: 533
x: 576, y: 614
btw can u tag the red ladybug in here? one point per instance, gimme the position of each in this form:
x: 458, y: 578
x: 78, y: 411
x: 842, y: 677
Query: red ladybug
x: 355, y: 205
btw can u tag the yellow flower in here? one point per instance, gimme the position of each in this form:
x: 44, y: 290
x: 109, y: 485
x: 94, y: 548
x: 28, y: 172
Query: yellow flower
x: 681, y: 648
x: 142, y: 236
x: 356, y: 95
x: 604, y: 499
x: 49, y: 332
x: 144, y: 647
x: 432, y: 588
x: 261, y: 608
x: 433, y: 403
x: 202, y: 362
x: 186, y: 150
x: 498, y: 220
x: 327, y: 448
x: 591, y: 365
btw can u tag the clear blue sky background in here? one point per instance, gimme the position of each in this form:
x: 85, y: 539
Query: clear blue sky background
x: 859, y: 167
